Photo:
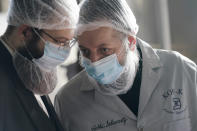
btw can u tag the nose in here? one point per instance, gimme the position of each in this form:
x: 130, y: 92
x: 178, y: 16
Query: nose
x: 94, y: 57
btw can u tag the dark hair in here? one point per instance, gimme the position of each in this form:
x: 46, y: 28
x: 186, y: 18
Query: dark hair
x: 10, y: 30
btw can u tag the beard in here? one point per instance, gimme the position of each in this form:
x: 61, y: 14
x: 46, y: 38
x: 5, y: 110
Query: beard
x: 33, y: 47
x: 34, y: 78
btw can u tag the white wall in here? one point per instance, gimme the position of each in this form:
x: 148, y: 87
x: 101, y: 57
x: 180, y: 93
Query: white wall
x: 3, y: 23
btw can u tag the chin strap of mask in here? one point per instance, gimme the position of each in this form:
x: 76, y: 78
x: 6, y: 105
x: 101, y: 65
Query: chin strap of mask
x: 52, y: 114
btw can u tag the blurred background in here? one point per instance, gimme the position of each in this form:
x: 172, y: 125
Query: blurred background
x: 165, y: 24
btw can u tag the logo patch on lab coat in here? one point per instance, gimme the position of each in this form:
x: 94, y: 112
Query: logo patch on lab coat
x: 174, y: 101
x: 109, y: 123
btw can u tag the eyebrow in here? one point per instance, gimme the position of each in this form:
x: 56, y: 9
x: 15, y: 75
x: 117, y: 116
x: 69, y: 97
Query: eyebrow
x: 62, y: 38
x: 81, y: 46
x: 103, y: 44
x: 107, y: 45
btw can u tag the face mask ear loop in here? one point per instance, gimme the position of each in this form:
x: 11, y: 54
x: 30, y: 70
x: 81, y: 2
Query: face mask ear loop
x: 27, y: 50
x: 30, y: 52
x: 124, y: 45
x: 39, y: 36
x: 30, y: 56
x: 27, y: 47
x: 44, y: 39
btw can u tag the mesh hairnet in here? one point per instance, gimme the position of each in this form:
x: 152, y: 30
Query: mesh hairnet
x: 106, y: 13
x: 44, y: 14
x: 34, y: 78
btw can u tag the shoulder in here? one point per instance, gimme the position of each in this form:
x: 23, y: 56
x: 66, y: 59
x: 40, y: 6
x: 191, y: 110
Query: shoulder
x: 5, y: 77
x: 175, y: 60
x: 71, y: 97
x: 174, y: 57
x: 73, y: 86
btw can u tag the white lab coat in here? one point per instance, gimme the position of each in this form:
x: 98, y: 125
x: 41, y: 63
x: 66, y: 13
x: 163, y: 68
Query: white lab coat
x: 168, y: 98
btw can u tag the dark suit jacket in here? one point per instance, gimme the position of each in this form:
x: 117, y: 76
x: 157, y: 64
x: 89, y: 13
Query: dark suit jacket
x: 19, y: 109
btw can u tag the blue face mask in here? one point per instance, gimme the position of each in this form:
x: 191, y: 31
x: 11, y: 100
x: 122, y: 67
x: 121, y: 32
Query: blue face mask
x: 56, y: 52
x: 54, y: 55
x: 104, y: 71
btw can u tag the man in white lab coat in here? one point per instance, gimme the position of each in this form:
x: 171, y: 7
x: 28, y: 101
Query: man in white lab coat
x: 126, y: 84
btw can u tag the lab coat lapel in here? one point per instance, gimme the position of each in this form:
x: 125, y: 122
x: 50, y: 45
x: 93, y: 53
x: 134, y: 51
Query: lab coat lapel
x: 150, y: 75
x: 87, y: 84
x: 115, y: 104
x: 112, y: 103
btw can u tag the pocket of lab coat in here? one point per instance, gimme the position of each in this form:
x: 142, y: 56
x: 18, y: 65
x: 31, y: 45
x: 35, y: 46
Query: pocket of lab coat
x: 178, y: 125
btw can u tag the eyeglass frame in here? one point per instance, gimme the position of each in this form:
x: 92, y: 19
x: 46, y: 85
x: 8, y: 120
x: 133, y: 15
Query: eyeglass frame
x: 68, y: 43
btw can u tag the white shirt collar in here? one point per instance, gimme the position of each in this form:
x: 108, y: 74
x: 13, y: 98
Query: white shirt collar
x: 7, y: 47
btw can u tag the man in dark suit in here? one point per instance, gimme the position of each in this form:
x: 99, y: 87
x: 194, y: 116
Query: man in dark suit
x: 38, y: 38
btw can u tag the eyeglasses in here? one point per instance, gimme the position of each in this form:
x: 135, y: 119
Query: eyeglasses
x: 68, y: 43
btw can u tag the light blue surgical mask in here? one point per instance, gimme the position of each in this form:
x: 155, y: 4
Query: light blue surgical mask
x: 104, y: 71
x: 56, y: 52
x: 54, y: 55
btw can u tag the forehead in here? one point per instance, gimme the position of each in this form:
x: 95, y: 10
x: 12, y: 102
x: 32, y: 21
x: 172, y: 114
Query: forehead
x: 103, y: 35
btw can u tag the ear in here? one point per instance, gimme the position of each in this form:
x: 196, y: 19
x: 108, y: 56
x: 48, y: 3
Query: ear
x: 25, y: 32
x: 132, y: 42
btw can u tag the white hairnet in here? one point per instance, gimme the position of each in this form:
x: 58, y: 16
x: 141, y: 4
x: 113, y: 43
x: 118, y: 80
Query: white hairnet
x: 34, y: 78
x: 106, y: 13
x: 44, y: 14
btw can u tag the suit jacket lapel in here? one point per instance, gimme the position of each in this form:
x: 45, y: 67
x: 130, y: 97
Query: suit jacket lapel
x: 31, y: 106
x: 39, y: 119
x: 32, y: 109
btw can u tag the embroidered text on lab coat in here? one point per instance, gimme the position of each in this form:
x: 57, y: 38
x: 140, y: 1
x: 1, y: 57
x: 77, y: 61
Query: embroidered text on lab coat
x: 109, y: 123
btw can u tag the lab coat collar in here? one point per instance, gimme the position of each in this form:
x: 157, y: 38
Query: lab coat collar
x: 150, y: 74
x: 87, y: 84
x: 110, y: 102
x: 115, y: 104
x: 149, y: 55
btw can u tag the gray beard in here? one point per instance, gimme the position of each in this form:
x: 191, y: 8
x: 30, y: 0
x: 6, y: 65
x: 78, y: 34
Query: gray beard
x: 126, y: 79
